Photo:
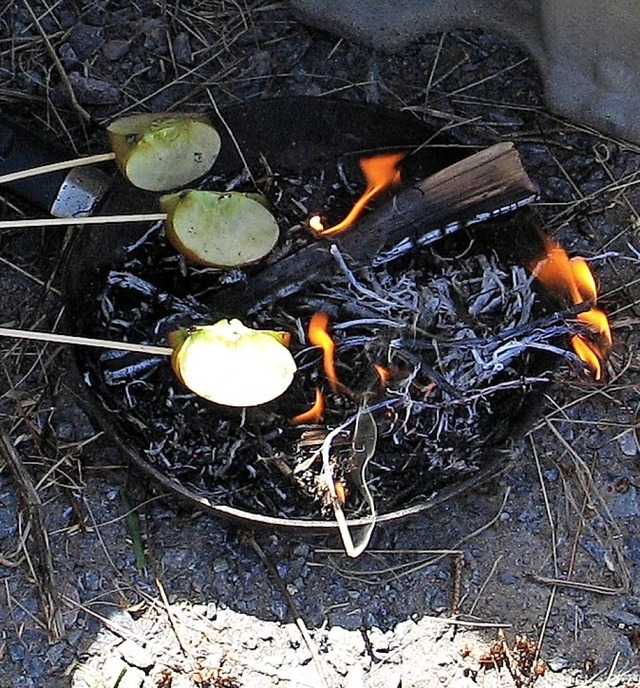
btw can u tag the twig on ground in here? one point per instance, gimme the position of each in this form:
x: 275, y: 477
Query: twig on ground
x: 293, y: 609
x: 585, y: 476
x: 374, y: 576
x: 58, y: 64
x: 41, y: 565
x: 484, y: 585
x: 170, y: 615
x: 547, y: 506
x: 577, y: 585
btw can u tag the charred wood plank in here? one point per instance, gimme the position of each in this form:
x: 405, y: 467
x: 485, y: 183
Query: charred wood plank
x: 489, y: 183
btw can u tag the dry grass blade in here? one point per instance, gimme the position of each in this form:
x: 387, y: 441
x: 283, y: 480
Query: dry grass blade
x: 299, y: 621
x: 58, y: 64
x: 38, y: 556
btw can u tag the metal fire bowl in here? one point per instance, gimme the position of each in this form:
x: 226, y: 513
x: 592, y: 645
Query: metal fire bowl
x: 295, y: 135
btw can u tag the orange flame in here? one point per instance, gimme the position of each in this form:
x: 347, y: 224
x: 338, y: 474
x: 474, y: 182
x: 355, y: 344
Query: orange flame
x: 341, y: 491
x: 381, y: 172
x: 384, y: 374
x: 314, y: 413
x: 318, y: 336
x: 573, y: 278
x: 315, y: 223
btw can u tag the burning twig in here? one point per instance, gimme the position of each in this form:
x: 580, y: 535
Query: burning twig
x: 487, y: 184
x: 381, y: 173
x: 572, y: 279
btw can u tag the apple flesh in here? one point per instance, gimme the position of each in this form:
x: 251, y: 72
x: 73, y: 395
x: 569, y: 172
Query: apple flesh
x: 219, y: 229
x: 160, y: 152
x: 231, y: 364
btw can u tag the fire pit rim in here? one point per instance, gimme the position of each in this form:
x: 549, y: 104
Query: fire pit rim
x: 87, y: 397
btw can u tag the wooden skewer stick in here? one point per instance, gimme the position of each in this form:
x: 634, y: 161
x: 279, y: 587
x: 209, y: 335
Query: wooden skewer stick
x: 54, y: 338
x: 54, y: 167
x: 90, y: 220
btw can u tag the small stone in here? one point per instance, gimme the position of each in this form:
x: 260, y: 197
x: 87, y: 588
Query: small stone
x: 67, y: 18
x: 280, y: 610
x: 134, y: 654
x: 622, y: 618
x: 380, y: 642
x: 155, y: 31
x: 625, y: 504
x: 439, y: 602
x: 34, y: 667
x: 23, y: 682
x: 552, y: 475
x: 260, y: 63
x: 596, y: 550
x: 220, y: 565
x: 55, y: 654
x: 115, y: 50
x: 557, y: 664
x: 632, y: 549
x: 86, y: 40
x: 68, y: 55
x: 628, y: 443
x: 507, y: 578
x: 624, y: 647
x: 349, y: 645
x: 17, y: 652
x: 94, y: 91
x: 350, y: 621
x: 302, y: 551
x: 182, y: 49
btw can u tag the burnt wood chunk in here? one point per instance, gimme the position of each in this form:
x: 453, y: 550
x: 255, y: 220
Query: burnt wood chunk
x: 489, y: 183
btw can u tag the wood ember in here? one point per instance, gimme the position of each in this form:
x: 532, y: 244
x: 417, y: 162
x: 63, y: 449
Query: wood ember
x: 487, y: 184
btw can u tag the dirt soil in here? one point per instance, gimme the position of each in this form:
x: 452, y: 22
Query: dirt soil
x: 107, y: 581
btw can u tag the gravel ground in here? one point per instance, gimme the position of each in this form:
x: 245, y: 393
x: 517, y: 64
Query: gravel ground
x: 541, y: 565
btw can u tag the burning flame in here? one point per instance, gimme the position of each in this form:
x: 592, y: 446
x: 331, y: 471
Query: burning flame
x: 315, y: 222
x: 318, y: 336
x: 341, y: 491
x: 313, y: 414
x: 384, y: 374
x: 381, y: 172
x: 573, y: 278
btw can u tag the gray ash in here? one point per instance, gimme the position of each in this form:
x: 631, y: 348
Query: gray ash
x: 451, y: 324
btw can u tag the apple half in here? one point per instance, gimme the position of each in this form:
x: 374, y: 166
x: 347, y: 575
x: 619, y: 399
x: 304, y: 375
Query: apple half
x: 231, y: 364
x: 163, y: 151
x: 219, y: 229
